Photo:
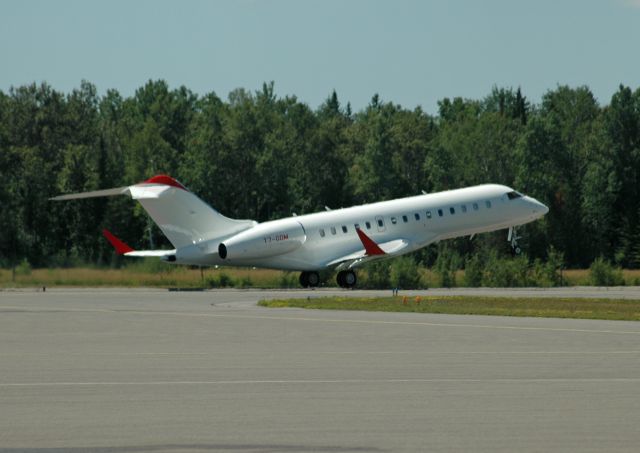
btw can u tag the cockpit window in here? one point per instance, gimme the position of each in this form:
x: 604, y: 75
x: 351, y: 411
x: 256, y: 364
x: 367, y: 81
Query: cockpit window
x: 513, y: 195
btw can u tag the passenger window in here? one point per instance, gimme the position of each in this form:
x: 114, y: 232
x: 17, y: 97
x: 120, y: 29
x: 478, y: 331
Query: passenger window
x: 464, y: 208
x: 356, y: 226
x: 488, y: 203
x: 321, y: 232
x: 417, y: 216
x: 452, y: 210
x: 344, y: 228
x: 440, y: 213
x: 428, y: 214
x: 394, y: 220
x: 368, y: 225
x: 475, y: 206
x: 380, y: 223
x: 405, y: 219
x: 333, y: 230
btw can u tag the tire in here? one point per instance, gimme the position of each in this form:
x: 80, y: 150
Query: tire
x: 304, y: 279
x: 347, y: 279
x: 313, y: 279
x: 350, y: 279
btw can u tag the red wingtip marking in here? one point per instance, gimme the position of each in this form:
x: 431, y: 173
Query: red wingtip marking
x: 370, y: 247
x: 165, y: 179
x: 121, y: 247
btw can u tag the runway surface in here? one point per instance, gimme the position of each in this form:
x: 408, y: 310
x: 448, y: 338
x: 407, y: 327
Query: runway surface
x: 155, y: 371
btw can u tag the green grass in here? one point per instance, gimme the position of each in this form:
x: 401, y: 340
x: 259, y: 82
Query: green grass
x: 138, y: 276
x: 613, y: 309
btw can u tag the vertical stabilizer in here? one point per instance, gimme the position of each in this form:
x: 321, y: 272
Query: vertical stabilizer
x: 183, y: 217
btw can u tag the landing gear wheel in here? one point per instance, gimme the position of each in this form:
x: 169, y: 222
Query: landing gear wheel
x: 304, y: 279
x: 347, y: 279
x: 313, y: 279
x: 309, y: 279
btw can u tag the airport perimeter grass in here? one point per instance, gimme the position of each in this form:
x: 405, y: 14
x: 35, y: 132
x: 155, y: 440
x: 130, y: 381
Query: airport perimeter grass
x: 611, y: 309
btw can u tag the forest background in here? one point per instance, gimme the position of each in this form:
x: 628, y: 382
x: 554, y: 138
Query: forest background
x: 260, y: 156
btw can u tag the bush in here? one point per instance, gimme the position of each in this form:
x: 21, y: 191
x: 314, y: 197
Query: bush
x: 602, y: 273
x: 445, y: 266
x: 473, y: 272
x: 221, y: 281
x: 506, y: 272
x: 403, y: 273
x: 378, y: 275
x: 288, y: 280
x: 24, y: 268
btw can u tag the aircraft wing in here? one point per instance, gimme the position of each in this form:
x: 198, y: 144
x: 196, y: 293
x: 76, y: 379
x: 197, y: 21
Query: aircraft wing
x: 373, y: 250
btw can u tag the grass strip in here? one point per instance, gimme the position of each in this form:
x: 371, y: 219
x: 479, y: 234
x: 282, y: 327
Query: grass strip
x: 541, y: 307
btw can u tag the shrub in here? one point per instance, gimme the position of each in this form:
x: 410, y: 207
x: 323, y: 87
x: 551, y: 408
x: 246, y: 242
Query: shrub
x: 473, y: 272
x: 378, y: 275
x: 445, y: 266
x: 24, y: 268
x: 602, y: 273
x: 403, y: 273
x: 506, y: 272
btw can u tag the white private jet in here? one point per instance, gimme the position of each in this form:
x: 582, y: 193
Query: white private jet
x: 342, y: 239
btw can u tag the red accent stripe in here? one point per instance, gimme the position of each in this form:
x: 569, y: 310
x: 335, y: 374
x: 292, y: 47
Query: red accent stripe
x: 369, y: 245
x: 165, y: 179
x: 121, y: 247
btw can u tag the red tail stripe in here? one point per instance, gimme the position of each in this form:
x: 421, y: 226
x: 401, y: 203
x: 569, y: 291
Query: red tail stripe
x: 370, y: 247
x: 165, y: 179
x: 121, y: 247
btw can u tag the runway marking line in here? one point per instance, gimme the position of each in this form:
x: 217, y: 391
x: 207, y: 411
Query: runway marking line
x: 348, y: 321
x: 324, y: 381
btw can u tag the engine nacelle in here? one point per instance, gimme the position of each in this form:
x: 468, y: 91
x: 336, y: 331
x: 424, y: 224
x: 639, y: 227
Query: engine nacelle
x: 263, y: 241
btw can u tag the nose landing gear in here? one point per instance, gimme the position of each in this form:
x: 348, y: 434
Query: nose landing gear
x: 512, y: 238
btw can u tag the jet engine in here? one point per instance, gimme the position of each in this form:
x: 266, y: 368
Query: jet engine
x: 263, y: 241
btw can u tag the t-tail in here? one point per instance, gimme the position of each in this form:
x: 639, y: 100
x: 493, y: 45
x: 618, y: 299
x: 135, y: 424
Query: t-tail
x: 192, y: 226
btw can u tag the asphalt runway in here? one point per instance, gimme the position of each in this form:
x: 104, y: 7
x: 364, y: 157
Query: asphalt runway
x: 154, y: 371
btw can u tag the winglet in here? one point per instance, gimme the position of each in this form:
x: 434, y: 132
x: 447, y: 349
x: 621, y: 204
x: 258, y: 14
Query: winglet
x: 369, y: 245
x: 121, y: 247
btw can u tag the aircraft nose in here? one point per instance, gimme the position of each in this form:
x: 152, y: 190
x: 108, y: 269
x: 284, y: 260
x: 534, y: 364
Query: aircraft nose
x: 538, y: 208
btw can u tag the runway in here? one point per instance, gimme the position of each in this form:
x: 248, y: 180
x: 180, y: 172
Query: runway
x: 155, y: 371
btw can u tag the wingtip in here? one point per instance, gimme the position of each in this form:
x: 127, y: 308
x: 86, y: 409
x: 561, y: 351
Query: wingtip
x: 121, y: 247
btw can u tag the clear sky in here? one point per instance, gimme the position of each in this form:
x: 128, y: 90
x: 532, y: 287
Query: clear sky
x: 410, y: 52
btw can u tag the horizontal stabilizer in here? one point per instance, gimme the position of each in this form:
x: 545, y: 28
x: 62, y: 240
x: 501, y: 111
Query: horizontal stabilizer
x: 93, y: 194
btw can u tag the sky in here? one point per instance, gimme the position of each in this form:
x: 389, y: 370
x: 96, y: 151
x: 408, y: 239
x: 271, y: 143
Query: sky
x: 411, y: 53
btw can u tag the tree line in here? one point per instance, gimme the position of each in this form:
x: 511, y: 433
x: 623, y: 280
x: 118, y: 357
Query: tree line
x: 262, y: 156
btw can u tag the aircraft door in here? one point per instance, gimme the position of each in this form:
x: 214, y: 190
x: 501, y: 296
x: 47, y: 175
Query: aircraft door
x: 380, y: 224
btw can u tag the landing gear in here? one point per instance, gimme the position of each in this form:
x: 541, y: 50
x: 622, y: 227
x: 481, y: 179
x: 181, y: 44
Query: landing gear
x: 347, y: 279
x: 309, y: 279
x: 513, y: 238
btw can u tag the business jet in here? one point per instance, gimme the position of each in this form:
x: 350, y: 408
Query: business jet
x: 340, y: 239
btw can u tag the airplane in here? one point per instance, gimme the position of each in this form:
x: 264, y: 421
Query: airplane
x: 340, y: 239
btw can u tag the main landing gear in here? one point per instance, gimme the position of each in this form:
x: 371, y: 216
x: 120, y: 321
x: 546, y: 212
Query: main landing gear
x: 513, y: 238
x: 347, y: 279
x: 309, y: 279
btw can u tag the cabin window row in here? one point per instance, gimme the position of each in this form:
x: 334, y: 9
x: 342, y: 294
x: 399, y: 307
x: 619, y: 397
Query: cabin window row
x: 405, y: 218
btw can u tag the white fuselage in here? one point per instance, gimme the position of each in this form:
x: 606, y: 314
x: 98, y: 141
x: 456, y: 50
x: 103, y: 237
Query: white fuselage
x: 320, y: 240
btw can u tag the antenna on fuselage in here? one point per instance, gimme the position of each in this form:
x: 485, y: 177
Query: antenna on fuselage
x: 327, y: 208
x: 423, y: 192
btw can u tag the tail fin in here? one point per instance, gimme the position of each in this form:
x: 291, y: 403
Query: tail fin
x: 183, y: 217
